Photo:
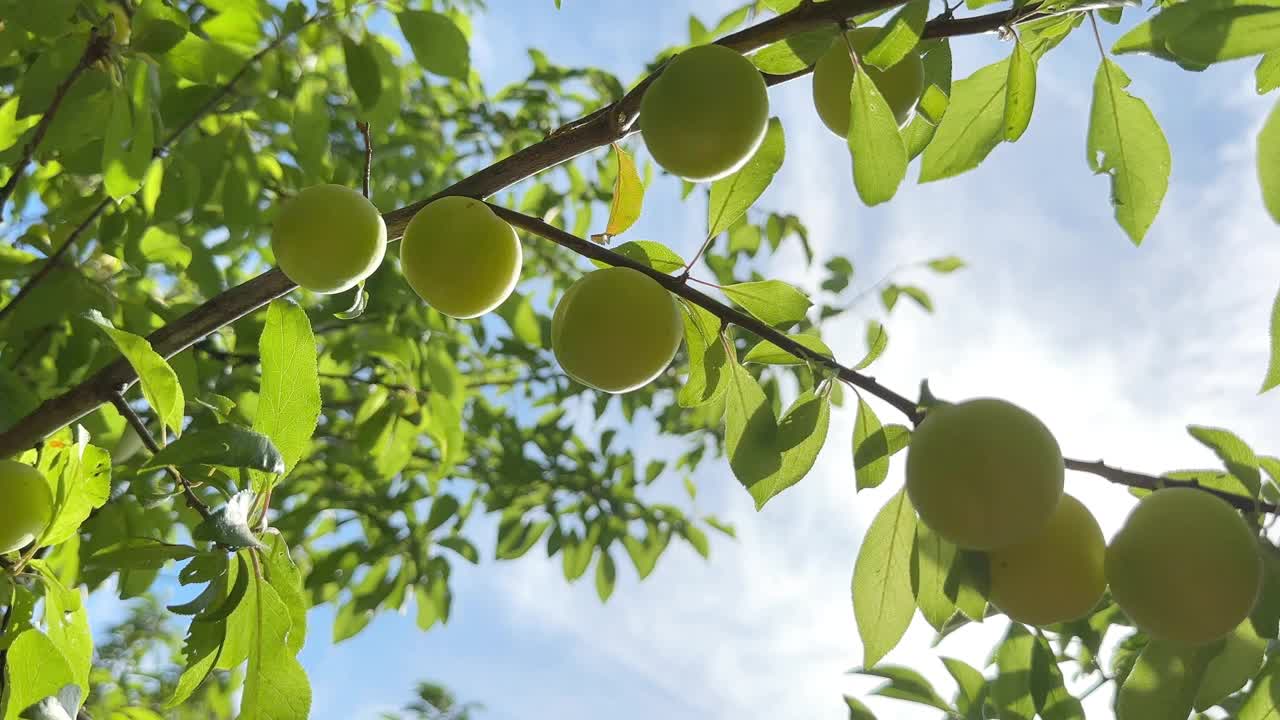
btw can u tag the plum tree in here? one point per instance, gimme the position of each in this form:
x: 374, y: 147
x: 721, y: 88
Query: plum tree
x: 26, y: 507
x: 1055, y: 575
x: 328, y: 238
x: 1184, y: 567
x: 984, y: 473
x: 900, y: 83
x: 616, y: 329
x: 706, y: 113
x: 460, y: 257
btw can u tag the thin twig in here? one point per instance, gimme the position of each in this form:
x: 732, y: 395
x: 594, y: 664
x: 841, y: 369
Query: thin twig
x: 727, y: 314
x: 135, y: 422
x: 52, y: 261
x: 95, y: 49
x: 368, y: 157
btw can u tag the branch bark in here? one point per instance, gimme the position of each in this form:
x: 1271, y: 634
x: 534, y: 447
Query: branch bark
x: 599, y: 129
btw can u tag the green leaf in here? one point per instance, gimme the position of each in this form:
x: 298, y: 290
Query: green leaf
x: 1235, y: 664
x: 1048, y: 689
x: 772, y: 302
x: 882, y: 600
x: 907, y: 684
x: 972, y: 126
x: 443, y: 507
x: 1020, y: 93
x: 969, y: 583
x: 63, y: 706
x: 286, y: 579
x: 275, y: 685
x: 1266, y: 612
x: 1259, y: 703
x: 732, y: 195
x: 654, y: 254
x: 1267, y: 78
x: 793, y: 53
x: 437, y: 43
x: 143, y: 554
x: 931, y: 559
x: 644, y: 553
x: 1269, y: 162
x: 1164, y: 681
x: 801, y: 434
x: 1272, y: 378
x: 751, y: 431
x: 1222, y: 33
x: 576, y: 556
x: 858, y: 711
x: 159, y: 382
x: 628, y: 194
x: 1011, y: 689
x: 200, y: 652
x: 83, y: 486
x: 1126, y: 143
x: 156, y: 27
x: 971, y: 688
x: 362, y: 70
x: 226, y: 445
x: 767, y: 353
x: 200, y: 61
x: 936, y: 55
x: 68, y: 628
x: 708, y: 359
x: 873, y: 445
x: 606, y: 576
x: 463, y: 547
x: 159, y: 245
x: 945, y: 265
x: 310, y: 126
x: 229, y: 524
x: 289, y: 399
x: 899, y: 36
x: 1234, y: 453
x: 515, y: 537
x: 877, y: 341
x: 11, y: 128
x: 879, y: 155
x: 34, y: 669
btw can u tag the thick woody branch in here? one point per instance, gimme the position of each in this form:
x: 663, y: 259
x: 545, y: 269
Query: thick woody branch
x: 678, y: 286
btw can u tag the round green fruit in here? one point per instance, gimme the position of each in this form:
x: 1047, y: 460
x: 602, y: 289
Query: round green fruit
x: 984, y: 473
x: 1055, y: 575
x: 900, y: 84
x: 706, y: 114
x: 1184, y: 567
x: 460, y: 257
x: 26, y: 505
x: 328, y: 238
x: 616, y: 329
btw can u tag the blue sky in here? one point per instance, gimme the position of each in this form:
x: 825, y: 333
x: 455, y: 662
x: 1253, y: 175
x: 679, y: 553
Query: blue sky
x: 1116, y: 347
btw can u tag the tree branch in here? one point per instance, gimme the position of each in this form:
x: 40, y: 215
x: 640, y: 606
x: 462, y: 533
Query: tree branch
x: 598, y: 129
x: 730, y: 315
x: 95, y: 49
x: 135, y: 422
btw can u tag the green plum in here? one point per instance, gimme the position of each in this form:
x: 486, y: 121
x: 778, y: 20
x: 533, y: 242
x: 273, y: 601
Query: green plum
x: 328, y: 238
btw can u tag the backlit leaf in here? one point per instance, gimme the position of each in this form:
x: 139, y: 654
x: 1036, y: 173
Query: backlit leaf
x: 732, y: 195
x: 882, y: 600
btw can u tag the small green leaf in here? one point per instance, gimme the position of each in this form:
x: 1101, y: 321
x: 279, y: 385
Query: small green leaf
x: 971, y: 686
x: 1234, y: 453
x: 931, y: 559
x: 947, y: 264
x: 1259, y: 703
x: 858, y: 711
x: 882, y: 600
x: 1020, y: 93
x: 68, y: 629
x: 160, y: 384
x: 873, y: 445
x: 130, y: 134
x: 156, y: 27
x: 34, y: 670
x: 751, y: 431
x: 972, y: 126
x: 773, y: 302
x: 969, y: 583
x: 443, y: 507
x: 793, y: 53
x: 708, y: 359
x: 275, y: 684
x: 1269, y: 162
x: 1272, y: 378
x: 1011, y: 689
x: 1227, y: 33
x: 628, y: 194
x: 200, y: 651
x: 310, y: 126
x: 463, y: 547
x: 362, y: 70
x: 142, y: 554
x: 732, y: 195
x: 1126, y: 143
x: 228, y: 525
x: 437, y: 43
x: 1164, y: 681
x: 802, y: 432
x: 1236, y: 664
x: 1048, y: 689
x: 84, y: 485
x: 225, y: 445
x: 879, y: 155
x: 654, y: 254
x: 606, y: 576
x: 1267, y: 78
x: 899, y: 36
x: 767, y: 353
x: 515, y: 537
x: 289, y: 399
x: 877, y: 341
x: 907, y: 684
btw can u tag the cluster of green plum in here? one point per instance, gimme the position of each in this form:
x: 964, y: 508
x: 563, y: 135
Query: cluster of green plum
x: 987, y: 475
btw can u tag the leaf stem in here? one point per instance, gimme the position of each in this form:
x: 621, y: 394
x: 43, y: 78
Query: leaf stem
x: 135, y: 422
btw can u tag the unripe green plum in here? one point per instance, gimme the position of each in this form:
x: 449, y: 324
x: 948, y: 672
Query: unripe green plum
x: 328, y: 238
x: 616, y: 329
x: 1055, y: 575
x: 900, y: 84
x: 460, y: 257
x: 1185, y: 566
x: 706, y: 114
x: 26, y: 505
x: 984, y: 473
